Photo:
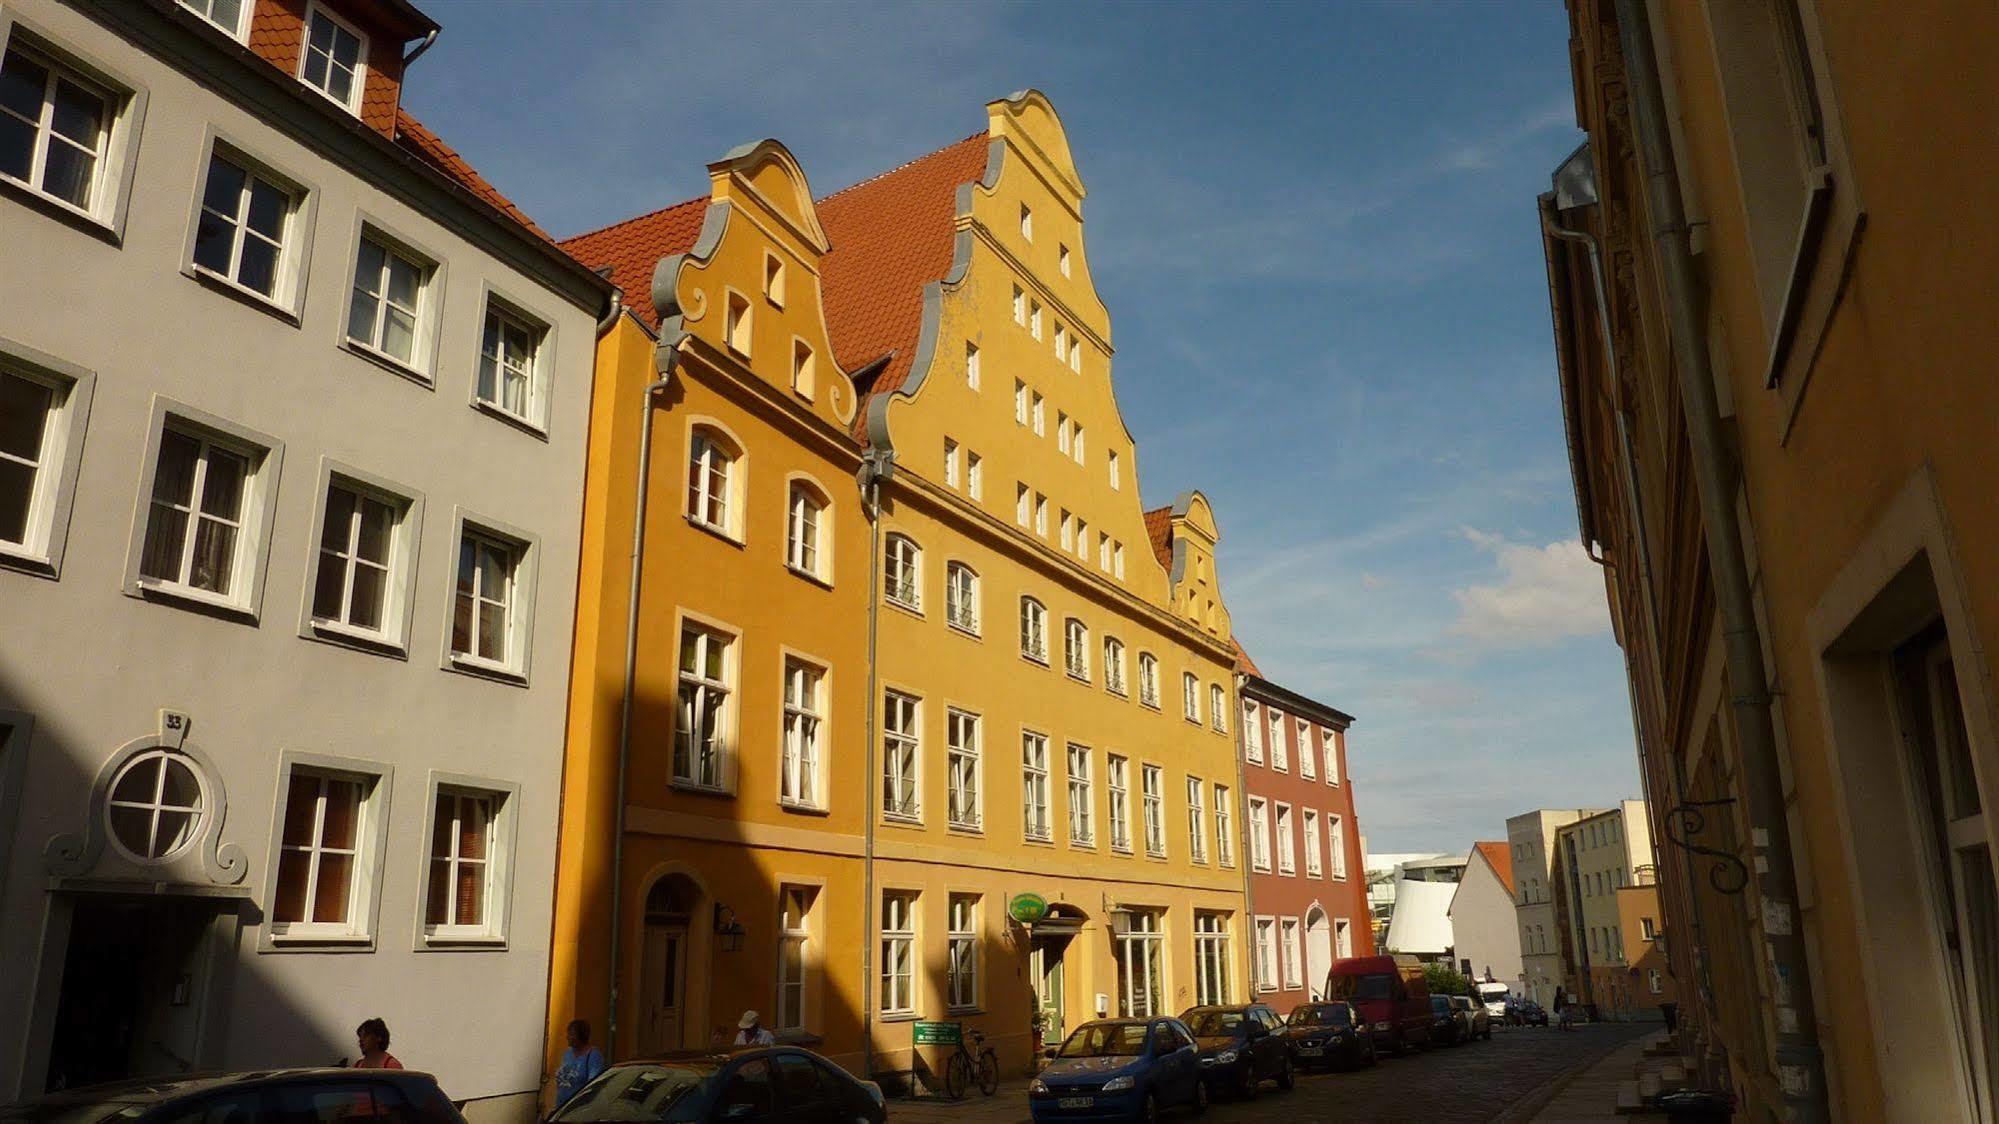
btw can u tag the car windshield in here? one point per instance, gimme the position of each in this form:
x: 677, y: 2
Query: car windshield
x: 1105, y: 1040
x: 1214, y: 1024
x: 634, y: 1092
x: 1324, y: 1014
x: 1374, y: 985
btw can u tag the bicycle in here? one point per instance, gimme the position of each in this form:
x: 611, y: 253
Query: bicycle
x: 978, y: 1057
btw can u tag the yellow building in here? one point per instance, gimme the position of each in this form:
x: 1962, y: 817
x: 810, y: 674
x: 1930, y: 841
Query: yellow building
x: 1773, y: 313
x: 1018, y: 682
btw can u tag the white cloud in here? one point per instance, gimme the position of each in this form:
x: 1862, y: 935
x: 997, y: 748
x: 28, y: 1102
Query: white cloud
x: 1544, y: 594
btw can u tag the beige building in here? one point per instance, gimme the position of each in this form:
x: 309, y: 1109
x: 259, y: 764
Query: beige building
x: 1595, y: 857
x: 1530, y: 837
x: 294, y: 412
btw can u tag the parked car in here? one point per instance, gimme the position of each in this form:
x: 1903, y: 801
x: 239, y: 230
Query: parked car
x: 1120, y: 1069
x: 769, y: 1083
x: 1525, y: 1012
x: 1391, y: 992
x: 1241, y: 1047
x: 1447, y: 1023
x: 1478, y: 1022
x: 1329, y: 1033
x: 327, y: 1095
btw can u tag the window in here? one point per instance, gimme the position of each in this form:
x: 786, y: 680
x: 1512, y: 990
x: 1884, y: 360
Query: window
x: 1068, y: 531
x: 1654, y: 981
x: 1118, y: 772
x: 1075, y: 355
x: 225, y: 14
x: 898, y: 985
x: 975, y: 475
x: 1117, y: 478
x: 1218, y: 710
x: 804, y: 368
x: 244, y: 226
x: 901, y: 572
x: 1314, y: 866
x: 736, y: 324
x: 1034, y: 319
x: 804, y: 714
x: 971, y: 365
x: 1266, y: 954
x: 1034, y: 785
x: 1062, y: 259
x: 361, y: 548
x: 1148, y: 679
x: 1117, y: 560
x: 1040, y: 415
x: 1026, y: 223
x: 1078, y: 444
x: 1336, y: 841
x: 794, y: 942
x: 773, y: 279
x: 1062, y: 431
x: 1190, y: 696
x: 961, y: 969
x: 901, y: 799
x: 701, y: 731
x: 1306, y: 754
x: 1224, y: 827
x: 1114, y: 665
x: 509, y: 361
x: 1021, y: 505
x: 1082, y: 824
x: 1019, y: 306
x: 1061, y: 341
x: 1259, y: 834
x: 1648, y: 928
x: 1103, y: 552
x: 1294, y: 975
x: 962, y: 770
x: 1287, y: 844
x: 1141, y: 973
x: 1280, y: 753
x: 1211, y: 958
x: 1154, y: 780
x: 1076, y: 648
x: 385, y: 311
x: 1082, y: 538
x: 1041, y: 515
x: 1197, y: 826
x: 1252, y: 732
x: 332, y: 60
x: 1033, y: 630
x: 950, y: 464
x: 463, y: 898
x: 1019, y: 402
x: 488, y: 624
x: 324, y: 879
x: 42, y: 413
x: 803, y: 547
x: 961, y: 597
x: 196, y: 533
x: 55, y: 129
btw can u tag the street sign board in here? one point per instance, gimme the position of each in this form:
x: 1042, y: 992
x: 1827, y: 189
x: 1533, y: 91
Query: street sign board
x: 935, y: 1034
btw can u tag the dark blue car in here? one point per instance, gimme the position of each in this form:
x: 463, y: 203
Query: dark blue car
x: 1120, y: 1069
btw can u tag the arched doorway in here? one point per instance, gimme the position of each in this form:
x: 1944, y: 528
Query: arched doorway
x: 1318, y: 951
x: 663, y: 1007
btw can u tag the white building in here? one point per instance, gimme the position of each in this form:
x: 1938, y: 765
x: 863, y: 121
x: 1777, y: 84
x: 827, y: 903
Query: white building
x: 292, y: 429
x: 1530, y: 838
x: 1483, y: 930
x: 1415, y: 909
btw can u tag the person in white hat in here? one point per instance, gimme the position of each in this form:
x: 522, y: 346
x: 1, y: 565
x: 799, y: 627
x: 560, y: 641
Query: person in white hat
x: 750, y: 1031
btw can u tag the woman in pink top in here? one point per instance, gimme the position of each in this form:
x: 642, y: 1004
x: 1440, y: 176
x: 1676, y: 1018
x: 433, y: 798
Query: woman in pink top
x: 373, y: 1036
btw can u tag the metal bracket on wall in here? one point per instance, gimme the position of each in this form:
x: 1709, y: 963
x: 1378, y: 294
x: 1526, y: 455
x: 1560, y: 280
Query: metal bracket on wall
x: 1728, y: 875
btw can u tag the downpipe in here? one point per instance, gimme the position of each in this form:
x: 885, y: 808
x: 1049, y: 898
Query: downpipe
x: 1800, y: 1062
x: 877, y: 468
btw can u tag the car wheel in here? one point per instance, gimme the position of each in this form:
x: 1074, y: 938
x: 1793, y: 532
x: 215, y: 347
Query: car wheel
x: 1248, y: 1087
x: 1373, y: 1057
x: 1149, y: 1112
x: 1285, y: 1078
x: 1200, y: 1097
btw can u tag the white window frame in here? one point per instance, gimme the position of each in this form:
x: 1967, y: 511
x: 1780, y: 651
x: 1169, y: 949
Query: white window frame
x: 1314, y: 856
x: 1329, y: 738
x: 1114, y: 670
x: 1336, y: 844
x: 1293, y: 953
x: 370, y: 837
x: 1211, y: 957
x: 1116, y: 473
x: 1140, y: 951
x: 802, y: 752
x: 52, y: 497
x: 971, y: 365
x: 896, y: 991
x: 1280, y: 750
x: 901, y: 790
x: 399, y: 593
x: 1041, y: 515
x: 951, y: 463
x: 1148, y: 680
x: 1287, y: 842
x: 1076, y: 649
x: 1252, y: 732
x: 1022, y: 503
x: 287, y: 294
x: 713, y: 500
x: 109, y: 198
x: 1197, y: 821
x: 1152, y: 780
x: 808, y: 530
x: 503, y: 835
x: 1117, y: 773
x: 975, y: 475
x: 964, y: 768
x: 265, y: 455
x: 422, y: 363
x: 1082, y: 796
x: 1308, y: 755
x: 1218, y: 708
x: 961, y: 597
x: 902, y: 572
x: 1062, y: 432
x: 1036, y: 823
x: 961, y: 960
x: 1259, y: 834
x: 714, y: 771
x: 358, y: 94
x: 1040, y: 415
x: 1190, y: 697
x: 1034, y: 630
x: 794, y: 929
x: 525, y: 549
x: 540, y: 366
x: 1019, y: 402
x: 1266, y: 954
x: 1019, y: 306
x: 1224, y: 826
x: 206, y: 10
x: 774, y: 279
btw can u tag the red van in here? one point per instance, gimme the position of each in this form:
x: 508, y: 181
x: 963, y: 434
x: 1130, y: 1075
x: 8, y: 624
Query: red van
x: 1391, y: 993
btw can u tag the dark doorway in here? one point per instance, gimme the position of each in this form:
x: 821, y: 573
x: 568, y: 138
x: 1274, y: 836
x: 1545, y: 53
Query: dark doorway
x: 134, y: 989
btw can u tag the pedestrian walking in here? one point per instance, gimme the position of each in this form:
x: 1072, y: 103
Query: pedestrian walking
x: 580, y: 1065
x: 373, y: 1037
x: 750, y: 1031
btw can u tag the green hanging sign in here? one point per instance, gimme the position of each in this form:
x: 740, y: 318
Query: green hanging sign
x: 1027, y: 908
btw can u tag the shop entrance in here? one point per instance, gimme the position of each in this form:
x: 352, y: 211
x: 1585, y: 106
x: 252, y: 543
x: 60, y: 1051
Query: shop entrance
x: 1046, y: 964
x: 136, y: 980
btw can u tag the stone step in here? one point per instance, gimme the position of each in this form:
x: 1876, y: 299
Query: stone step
x: 1672, y: 1075
x: 1628, y: 1100
x: 1648, y: 1087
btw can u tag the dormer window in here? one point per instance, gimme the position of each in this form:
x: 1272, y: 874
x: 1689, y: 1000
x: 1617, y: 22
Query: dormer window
x: 802, y: 368
x: 332, y: 60
x: 1062, y: 259
x: 736, y: 323
x: 1026, y: 223
x: 774, y: 279
x: 225, y: 14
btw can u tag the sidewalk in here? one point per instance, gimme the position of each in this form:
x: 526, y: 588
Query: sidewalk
x: 1008, y: 1105
x: 1590, y: 1097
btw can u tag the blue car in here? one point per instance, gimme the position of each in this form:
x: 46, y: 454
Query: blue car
x: 1120, y: 1069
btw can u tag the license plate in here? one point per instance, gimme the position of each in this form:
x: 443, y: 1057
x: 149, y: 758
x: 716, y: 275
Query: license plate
x: 1311, y: 1051
x: 1077, y: 1102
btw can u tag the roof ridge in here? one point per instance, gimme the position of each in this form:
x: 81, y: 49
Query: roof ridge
x: 635, y: 218
x: 913, y: 161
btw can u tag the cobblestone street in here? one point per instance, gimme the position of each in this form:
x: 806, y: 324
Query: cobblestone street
x: 1473, y: 1083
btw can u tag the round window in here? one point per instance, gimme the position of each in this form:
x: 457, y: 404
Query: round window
x: 155, y: 805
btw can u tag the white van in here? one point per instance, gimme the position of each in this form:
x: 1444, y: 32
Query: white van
x: 1493, y: 995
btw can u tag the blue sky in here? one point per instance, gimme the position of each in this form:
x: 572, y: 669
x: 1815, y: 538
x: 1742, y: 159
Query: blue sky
x: 1313, y: 223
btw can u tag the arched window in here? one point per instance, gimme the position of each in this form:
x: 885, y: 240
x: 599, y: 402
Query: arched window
x: 961, y: 597
x: 1190, y: 696
x: 807, y: 532
x: 1033, y: 630
x: 1218, y: 711
x: 1114, y: 665
x: 1076, y: 648
x: 902, y: 572
x: 712, y: 480
x: 1148, y: 679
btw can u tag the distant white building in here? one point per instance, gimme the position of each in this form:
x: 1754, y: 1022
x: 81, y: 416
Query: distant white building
x: 1485, y: 933
x: 1410, y: 895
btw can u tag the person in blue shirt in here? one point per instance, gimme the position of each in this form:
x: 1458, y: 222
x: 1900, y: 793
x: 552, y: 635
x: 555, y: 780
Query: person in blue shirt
x: 581, y: 1063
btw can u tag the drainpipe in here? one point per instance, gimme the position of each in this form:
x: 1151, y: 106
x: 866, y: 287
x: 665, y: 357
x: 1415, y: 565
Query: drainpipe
x: 669, y: 357
x: 877, y: 468
x: 1800, y: 1064
x: 1240, y: 825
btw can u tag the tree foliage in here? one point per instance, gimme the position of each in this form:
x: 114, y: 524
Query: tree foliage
x: 1446, y: 980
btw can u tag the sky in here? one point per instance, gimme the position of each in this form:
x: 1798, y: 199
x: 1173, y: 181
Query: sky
x: 1314, y: 227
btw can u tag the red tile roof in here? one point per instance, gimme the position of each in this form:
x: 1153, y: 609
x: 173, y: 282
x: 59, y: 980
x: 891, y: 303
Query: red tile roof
x: 890, y: 235
x: 1501, y: 858
x: 431, y: 149
x: 1243, y: 663
x: 1159, y: 528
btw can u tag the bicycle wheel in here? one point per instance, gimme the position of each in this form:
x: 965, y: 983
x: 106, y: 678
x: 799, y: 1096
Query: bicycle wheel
x: 988, y: 1072
x: 957, y: 1075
